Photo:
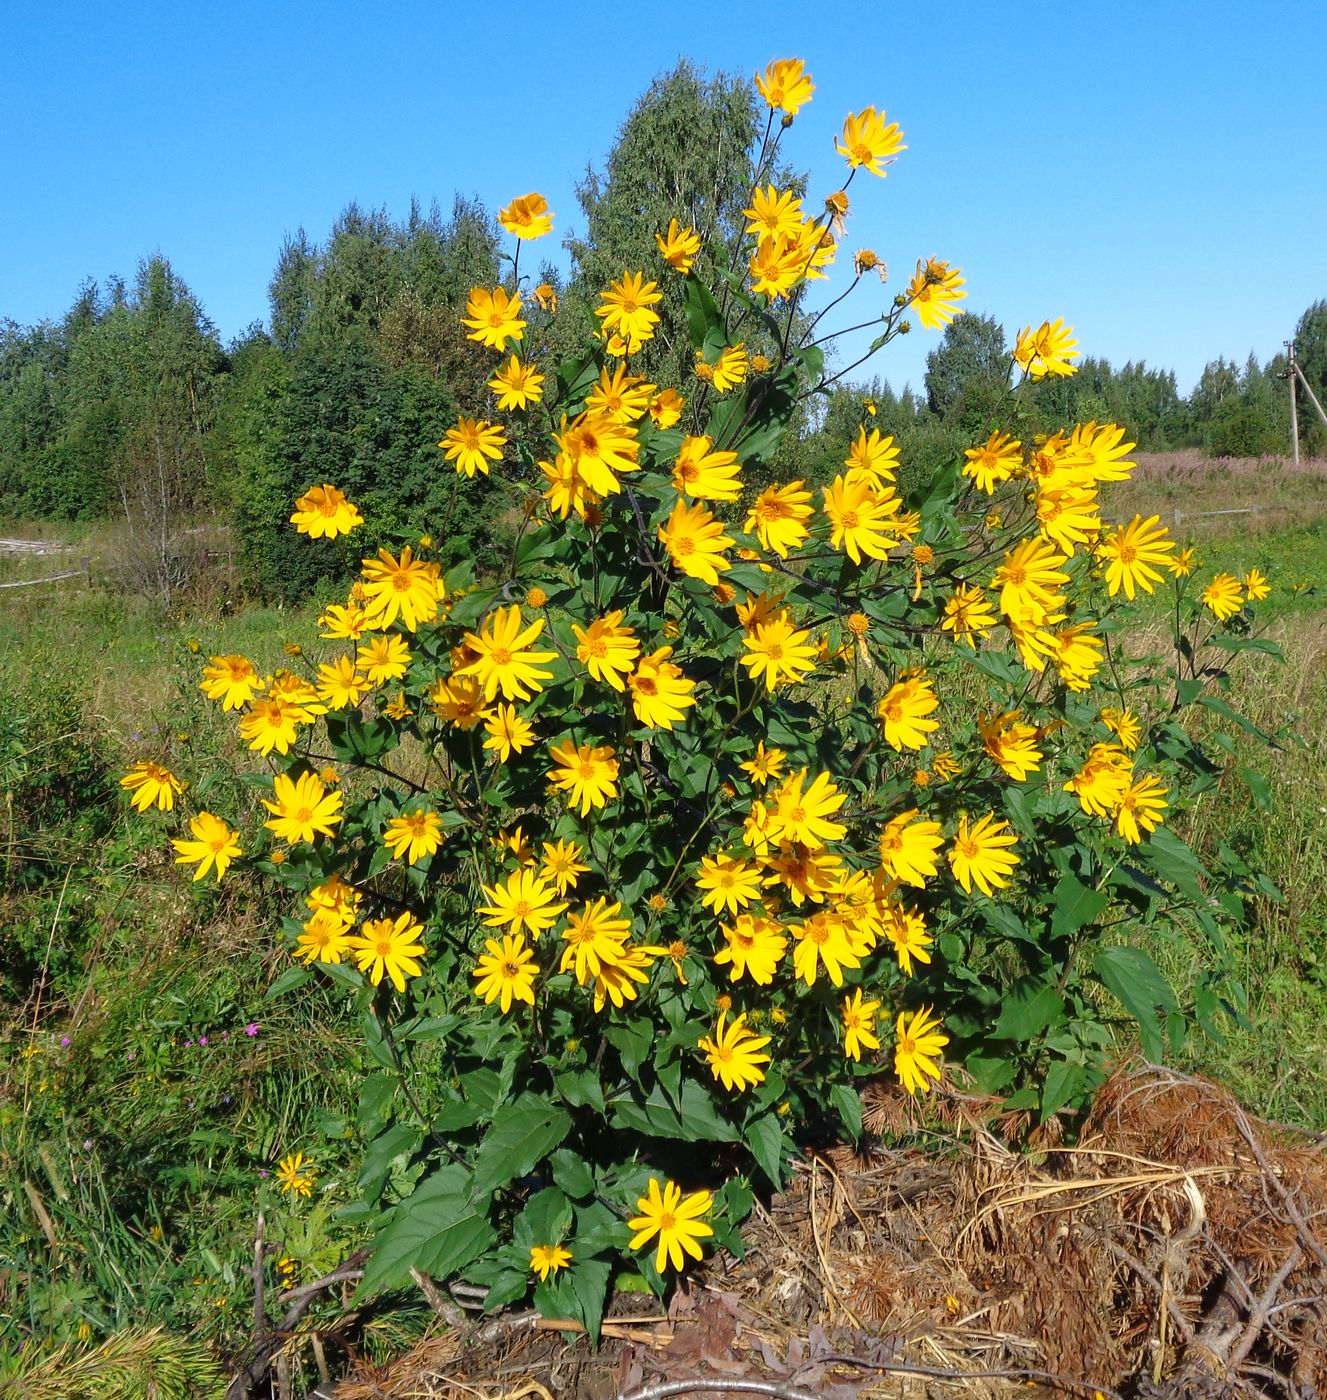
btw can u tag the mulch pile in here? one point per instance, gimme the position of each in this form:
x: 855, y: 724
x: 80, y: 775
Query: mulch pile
x: 1178, y: 1249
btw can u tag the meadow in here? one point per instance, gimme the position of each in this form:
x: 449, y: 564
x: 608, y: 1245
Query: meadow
x: 153, y: 1083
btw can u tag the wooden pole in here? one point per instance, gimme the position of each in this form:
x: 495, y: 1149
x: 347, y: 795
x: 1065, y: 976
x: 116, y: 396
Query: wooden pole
x: 1294, y: 410
x: 1313, y: 398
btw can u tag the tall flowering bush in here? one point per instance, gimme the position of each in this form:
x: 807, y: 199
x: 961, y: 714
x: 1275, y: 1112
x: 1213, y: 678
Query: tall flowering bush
x: 723, y: 797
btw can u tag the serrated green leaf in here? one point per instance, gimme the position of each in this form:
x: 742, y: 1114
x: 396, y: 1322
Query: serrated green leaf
x: 522, y: 1135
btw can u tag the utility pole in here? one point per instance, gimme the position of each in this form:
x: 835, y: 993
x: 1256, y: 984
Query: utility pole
x: 1293, y: 372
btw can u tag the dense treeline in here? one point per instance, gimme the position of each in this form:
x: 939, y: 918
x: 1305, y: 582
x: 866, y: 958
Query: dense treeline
x: 130, y: 406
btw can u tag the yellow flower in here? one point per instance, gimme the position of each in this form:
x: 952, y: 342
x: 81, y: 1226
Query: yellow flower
x: 778, y: 653
x: 340, y: 685
x: 472, y: 444
x: 804, y: 816
x: 1183, y: 563
x: 659, y: 691
x: 607, y: 649
x: 1077, y: 654
x: 754, y: 948
x: 325, y: 937
x: 324, y: 513
x: 1140, y: 807
x: 506, y: 972
x: 695, y: 542
x: 547, y: 1259
x: 1136, y: 554
x: 1028, y: 580
x: 1046, y: 350
x: 151, y: 783
x: 935, y: 291
x: 823, y: 940
x: 460, y: 701
x: 546, y: 297
x: 981, y: 855
x: 508, y: 732
x: 679, y: 246
x: 414, y: 836
x: 385, y: 658
x: 561, y: 865
x: 1223, y: 597
x: 349, y: 622
x: 764, y: 764
x: 230, y: 679
x: 599, y: 449
x: 403, y: 589
x: 908, y: 847
x: 729, y: 370
x: 1102, y: 780
x: 862, y: 517
x: 1012, y: 745
x: 303, y: 809
x: 1124, y: 725
x: 785, y: 85
x: 674, y: 1220
x: 215, y: 846
x: 774, y: 214
x: 526, y: 217
x: 494, y: 317
x: 595, y: 939
x: 297, y: 1174
x: 727, y: 885
x: 523, y: 902
x: 904, y: 710
x: 868, y: 142
x: 517, y: 385
x: 1256, y: 587
x: 778, y: 517
x: 968, y: 615
x: 735, y: 1054
x: 627, y: 308
x: 389, y: 948
x: 588, y: 775
x: 397, y: 708
x: 906, y: 930
x: 996, y: 460
x: 273, y: 723
x: 919, y: 1044
x: 666, y: 408
x: 777, y: 266
x: 706, y: 475
x: 503, y: 659
x: 620, y: 396
x: 858, y: 1019
x: 875, y: 456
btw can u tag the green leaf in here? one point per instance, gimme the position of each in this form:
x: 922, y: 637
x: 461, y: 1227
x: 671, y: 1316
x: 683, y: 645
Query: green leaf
x: 632, y: 1041
x: 1142, y: 989
x: 1218, y: 706
x: 1172, y: 860
x: 523, y: 1134
x: 848, y: 1104
x: 383, y: 1151
x: 581, y: 1089
x: 355, y: 740
x: 544, y: 1220
x: 695, y: 1119
x: 1027, y: 1009
x: 572, y: 1175
x: 702, y: 310
x: 375, y: 1097
x: 1075, y: 905
x: 765, y: 1139
x: 288, y: 981
x: 438, y: 1230
x: 1262, y: 644
x: 1064, y: 1083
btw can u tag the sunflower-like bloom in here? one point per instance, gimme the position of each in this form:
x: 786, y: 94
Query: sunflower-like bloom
x: 1256, y: 586
x: 547, y: 1259
x: 1067, y: 516
x: 804, y: 817
x: 908, y: 847
x: 729, y: 370
x: 753, y: 947
x: 706, y: 475
x: 618, y: 395
x: 660, y: 693
x: 337, y: 896
x: 823, y: 941
x: 935, y: 292
x: 595, y: 938
x: 414, y: 837
x: 1125, y: 726
x: 735, y: 1054
x: 666, y: 408
x: 875, y: 456
x: 1140, y: 807
x: 785, y: 85
x: 1046, y: 350
x: 727, y: 884
x: 588, y: 775
x: 858, y: 1019
x: 494, y: 317
x: 904, y: 710
x: 323, y: 512
x: 523, y: 902
x: 508, y: 732
x: 389, y: 948
x: 404, y: 589
x: 774, y: 213
x: 506, y: 972
x: 231, y: 679
x: 678, y: 247
x: 384, y: 658
x: 996, y: 460
x: 273, y: 724
x: 607, y: 649
x: 526, y: 217
x: 517, y: 385
x: 296, y: 1174
x: 561, y: 865
x: 674, y: 1219
x: 806, y: 873
x: 777, y: 266
x: 864, y: 519
x: 567, y: 490
x: 151, y: 784
x: 340, y: 685
x: 906, y: 931
x: 325, y: 937
x: 867, y: 142
x: 1223, y: 597
x: 1011, y: 744
x: 347, y: 623
x: 695, y: 542
x: 503, y: 659
x: 472, y: 444
x: 1135, y: 555
x: 919, y: 1044
x: 1102, y: 780
x: 764, y: 764
x: 600, y: 448
x: 1103, y: 450
x: 303, y: 809
x: 1077, y: 654
x: 779, y: 653
x: 460, y: 701
x: 1029, y: 580
x: 981, y: 854
x: 778, y: 517
x: 627, y: 309
x: 968, y: 615
x: 214, y: 846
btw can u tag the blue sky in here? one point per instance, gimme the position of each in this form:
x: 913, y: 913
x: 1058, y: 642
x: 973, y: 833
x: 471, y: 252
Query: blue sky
x: 1152, y: 172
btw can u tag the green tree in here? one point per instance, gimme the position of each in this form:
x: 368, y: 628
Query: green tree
x: 1311, y: 352
x: 967, y: 373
